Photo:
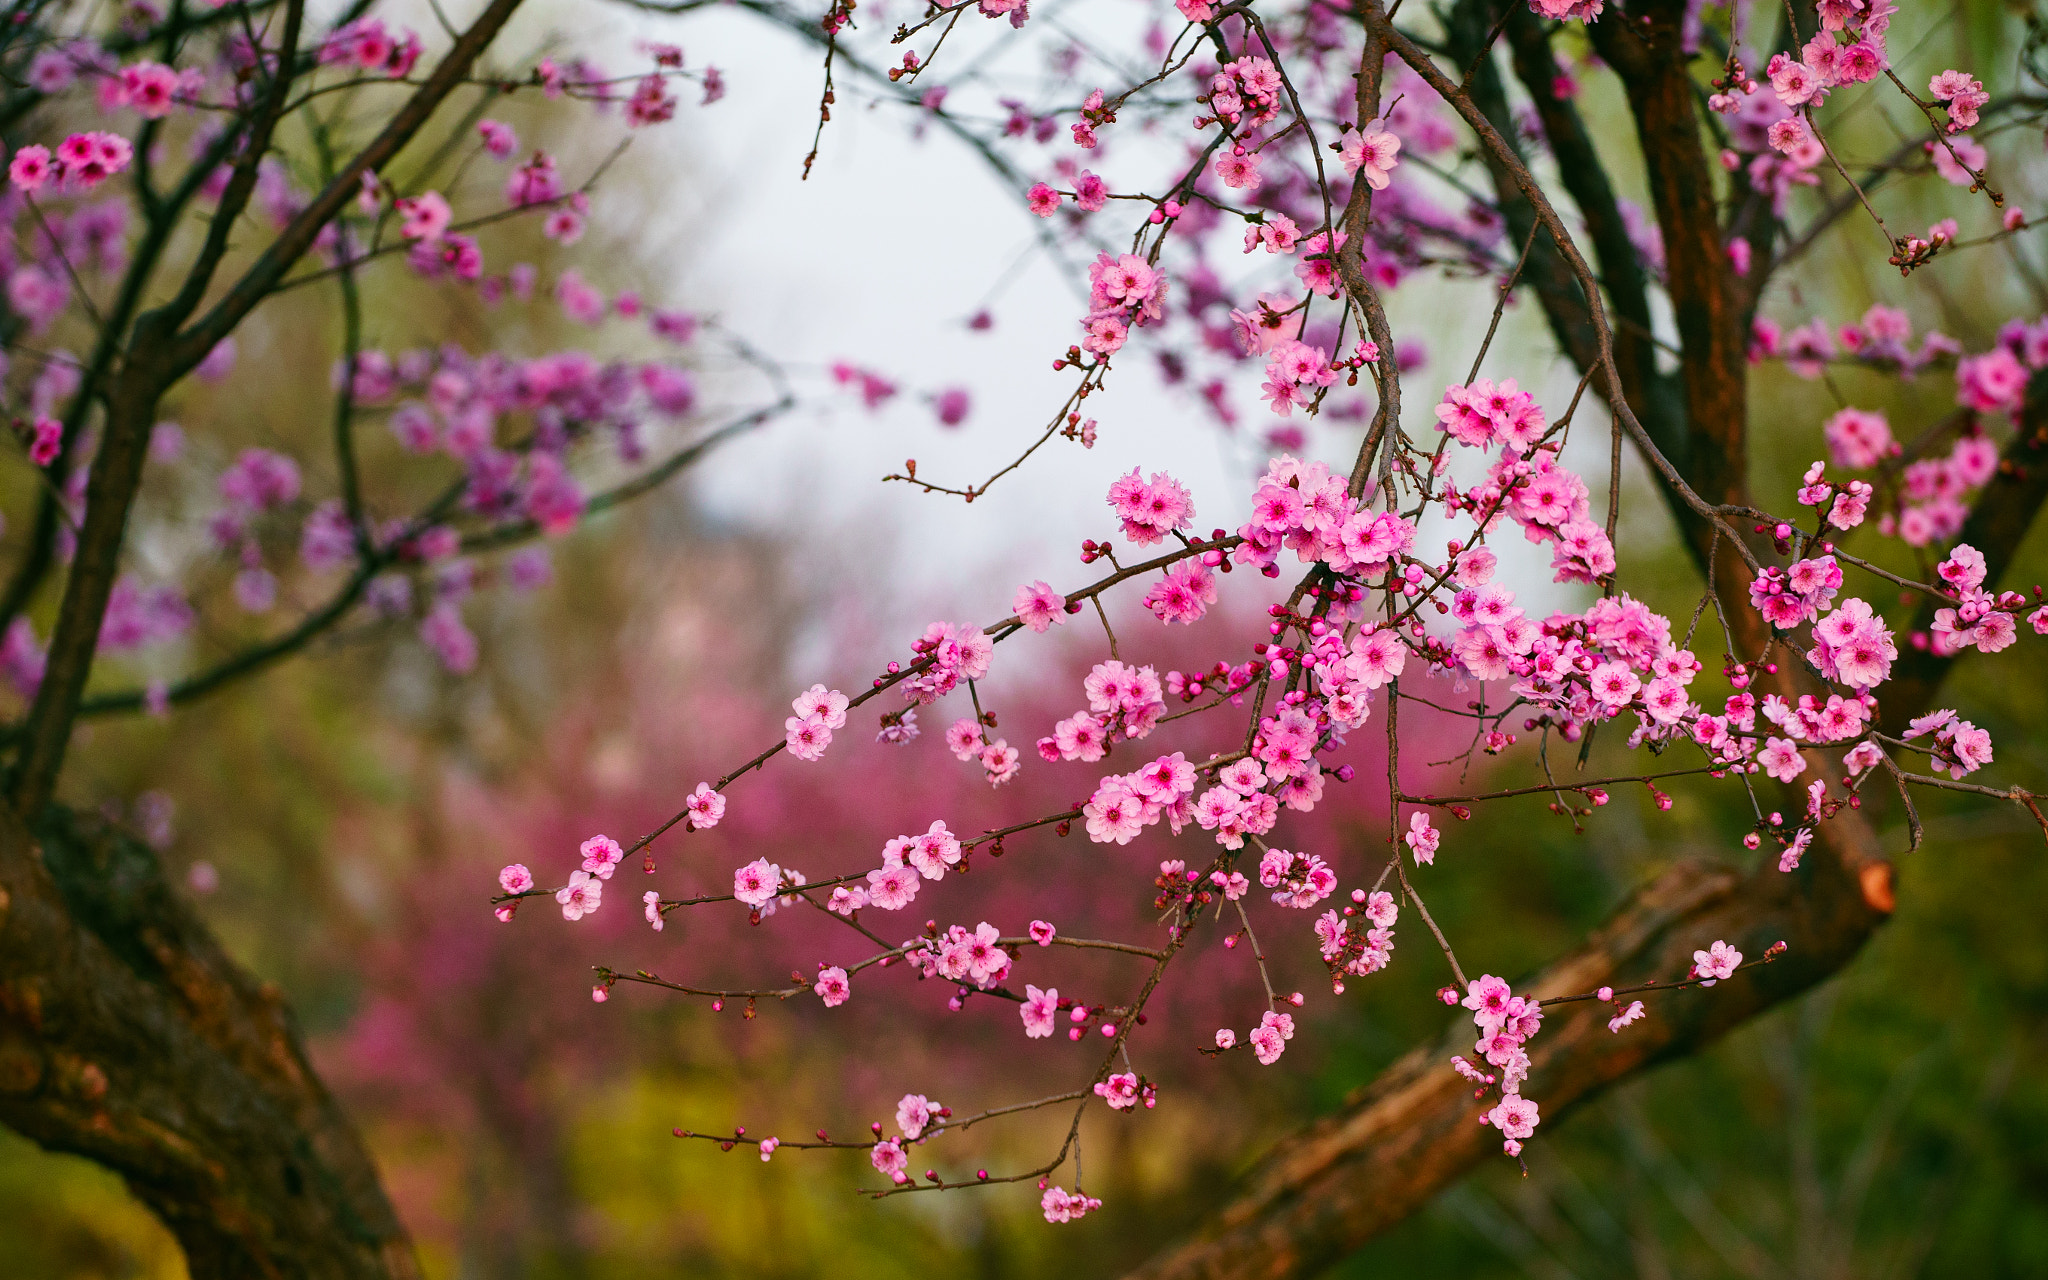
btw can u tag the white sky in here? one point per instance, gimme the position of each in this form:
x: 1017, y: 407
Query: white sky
x: 878, y: 259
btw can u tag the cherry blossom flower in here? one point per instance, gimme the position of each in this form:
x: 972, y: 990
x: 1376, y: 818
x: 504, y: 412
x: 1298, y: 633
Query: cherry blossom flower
x: 1039, y: 607
x: 601, y: 856
x: 706, y: 807
x: 1421, y: 838
x: 1039, y: 1011
x: 892, y: 888
x: 581, y: 896
x: 424, y: 217
x: 1516, y: 1117
x: 1059, y: 1206
x: 807, y: 736
x: 913, y: 1113
x: 1716, y: 962
x: 888, y: 1158
x: 1373, y: 152
x: 1120, y: 1091
x: 756, y: 882
x: 832, y: 986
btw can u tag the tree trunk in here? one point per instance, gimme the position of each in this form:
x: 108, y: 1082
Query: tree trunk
x: 1414, y: 1130
x: 129, y: 1037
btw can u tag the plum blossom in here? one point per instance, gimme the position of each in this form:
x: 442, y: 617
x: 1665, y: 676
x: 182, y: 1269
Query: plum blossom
x: 1716, y: 962
x: 581, y: 896
x: 888, y: 1158
x: 1040, y: 1011
x: 706, y: 807
x: 601, y: 855
x: 913, y: 1113
x: 756, y: 882
x: 1373, y: 152
x: 1421, y: 838
x: 1039, y: 607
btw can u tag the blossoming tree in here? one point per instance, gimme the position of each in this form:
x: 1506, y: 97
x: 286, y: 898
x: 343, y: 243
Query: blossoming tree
x: 1331, y: 151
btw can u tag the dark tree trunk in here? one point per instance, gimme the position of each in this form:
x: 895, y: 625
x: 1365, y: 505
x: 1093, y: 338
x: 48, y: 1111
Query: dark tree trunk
x: 129, y: 1037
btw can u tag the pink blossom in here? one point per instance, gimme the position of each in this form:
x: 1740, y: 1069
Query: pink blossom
x: 1038, y: 606
x: 932, y: 852
x: 963, y: 738
x: 1059, y: 1206
x: 515, y: 878
x: 499, y: 138
x: 1240, y: 171
x: 888, y: 1158
x: 581, y: 896
x: 1120, y: 1091
x: 1633, y: 1013
x: 424, y: 217
x: 1269, y: 1039
x: 1954, y: 157
x: 1183, y: 594
x: 757, y: 882
x: 706, y: 807
x: 893, y: 887
x: 31, y: 168
x: 1116, y: 813
x: 1150, y: 510
x: 1039, y: 1011
x: 1422, y: 838
x: 47, y: 442
x: 1042, y: 200
x: 1781, y: 759
x: 913, y: 1113
x: 1716, y: 962
x: 1992, y: 382
x: 1516, y: 1117
x: 601, y: 855
x: 1374, y: 152
x: 999, y: 760
x: 807, y: 736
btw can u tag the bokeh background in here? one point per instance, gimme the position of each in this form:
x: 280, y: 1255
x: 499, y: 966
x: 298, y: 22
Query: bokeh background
x: 340, y: 818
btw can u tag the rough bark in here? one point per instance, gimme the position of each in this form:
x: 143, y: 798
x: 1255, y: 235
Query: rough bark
x: 129, y: 1037
x: 1395, y: 1143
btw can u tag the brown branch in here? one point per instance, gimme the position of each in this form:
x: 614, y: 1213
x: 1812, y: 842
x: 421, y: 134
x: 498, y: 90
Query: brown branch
x: 1413, y: 1131
x: 1398, y: 1141
x: 156, y: 358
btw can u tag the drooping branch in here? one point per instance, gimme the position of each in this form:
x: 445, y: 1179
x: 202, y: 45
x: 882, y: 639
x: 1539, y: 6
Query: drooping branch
x: 1410, y: 1133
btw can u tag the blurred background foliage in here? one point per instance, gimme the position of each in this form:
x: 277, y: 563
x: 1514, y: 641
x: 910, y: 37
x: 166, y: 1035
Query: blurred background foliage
x: 341, y: 818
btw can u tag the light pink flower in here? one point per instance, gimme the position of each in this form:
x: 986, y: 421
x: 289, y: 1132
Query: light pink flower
x: 1374, y: 153
x: 1039, y: 1011
x: 1716, y: 962
x: 706, y: 807
x: 1039, y: 607
x: 601, y: 855
x: 1422, y: 838
x: 832, y: 987
x: 756, y: 883
x: 581, y: 896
